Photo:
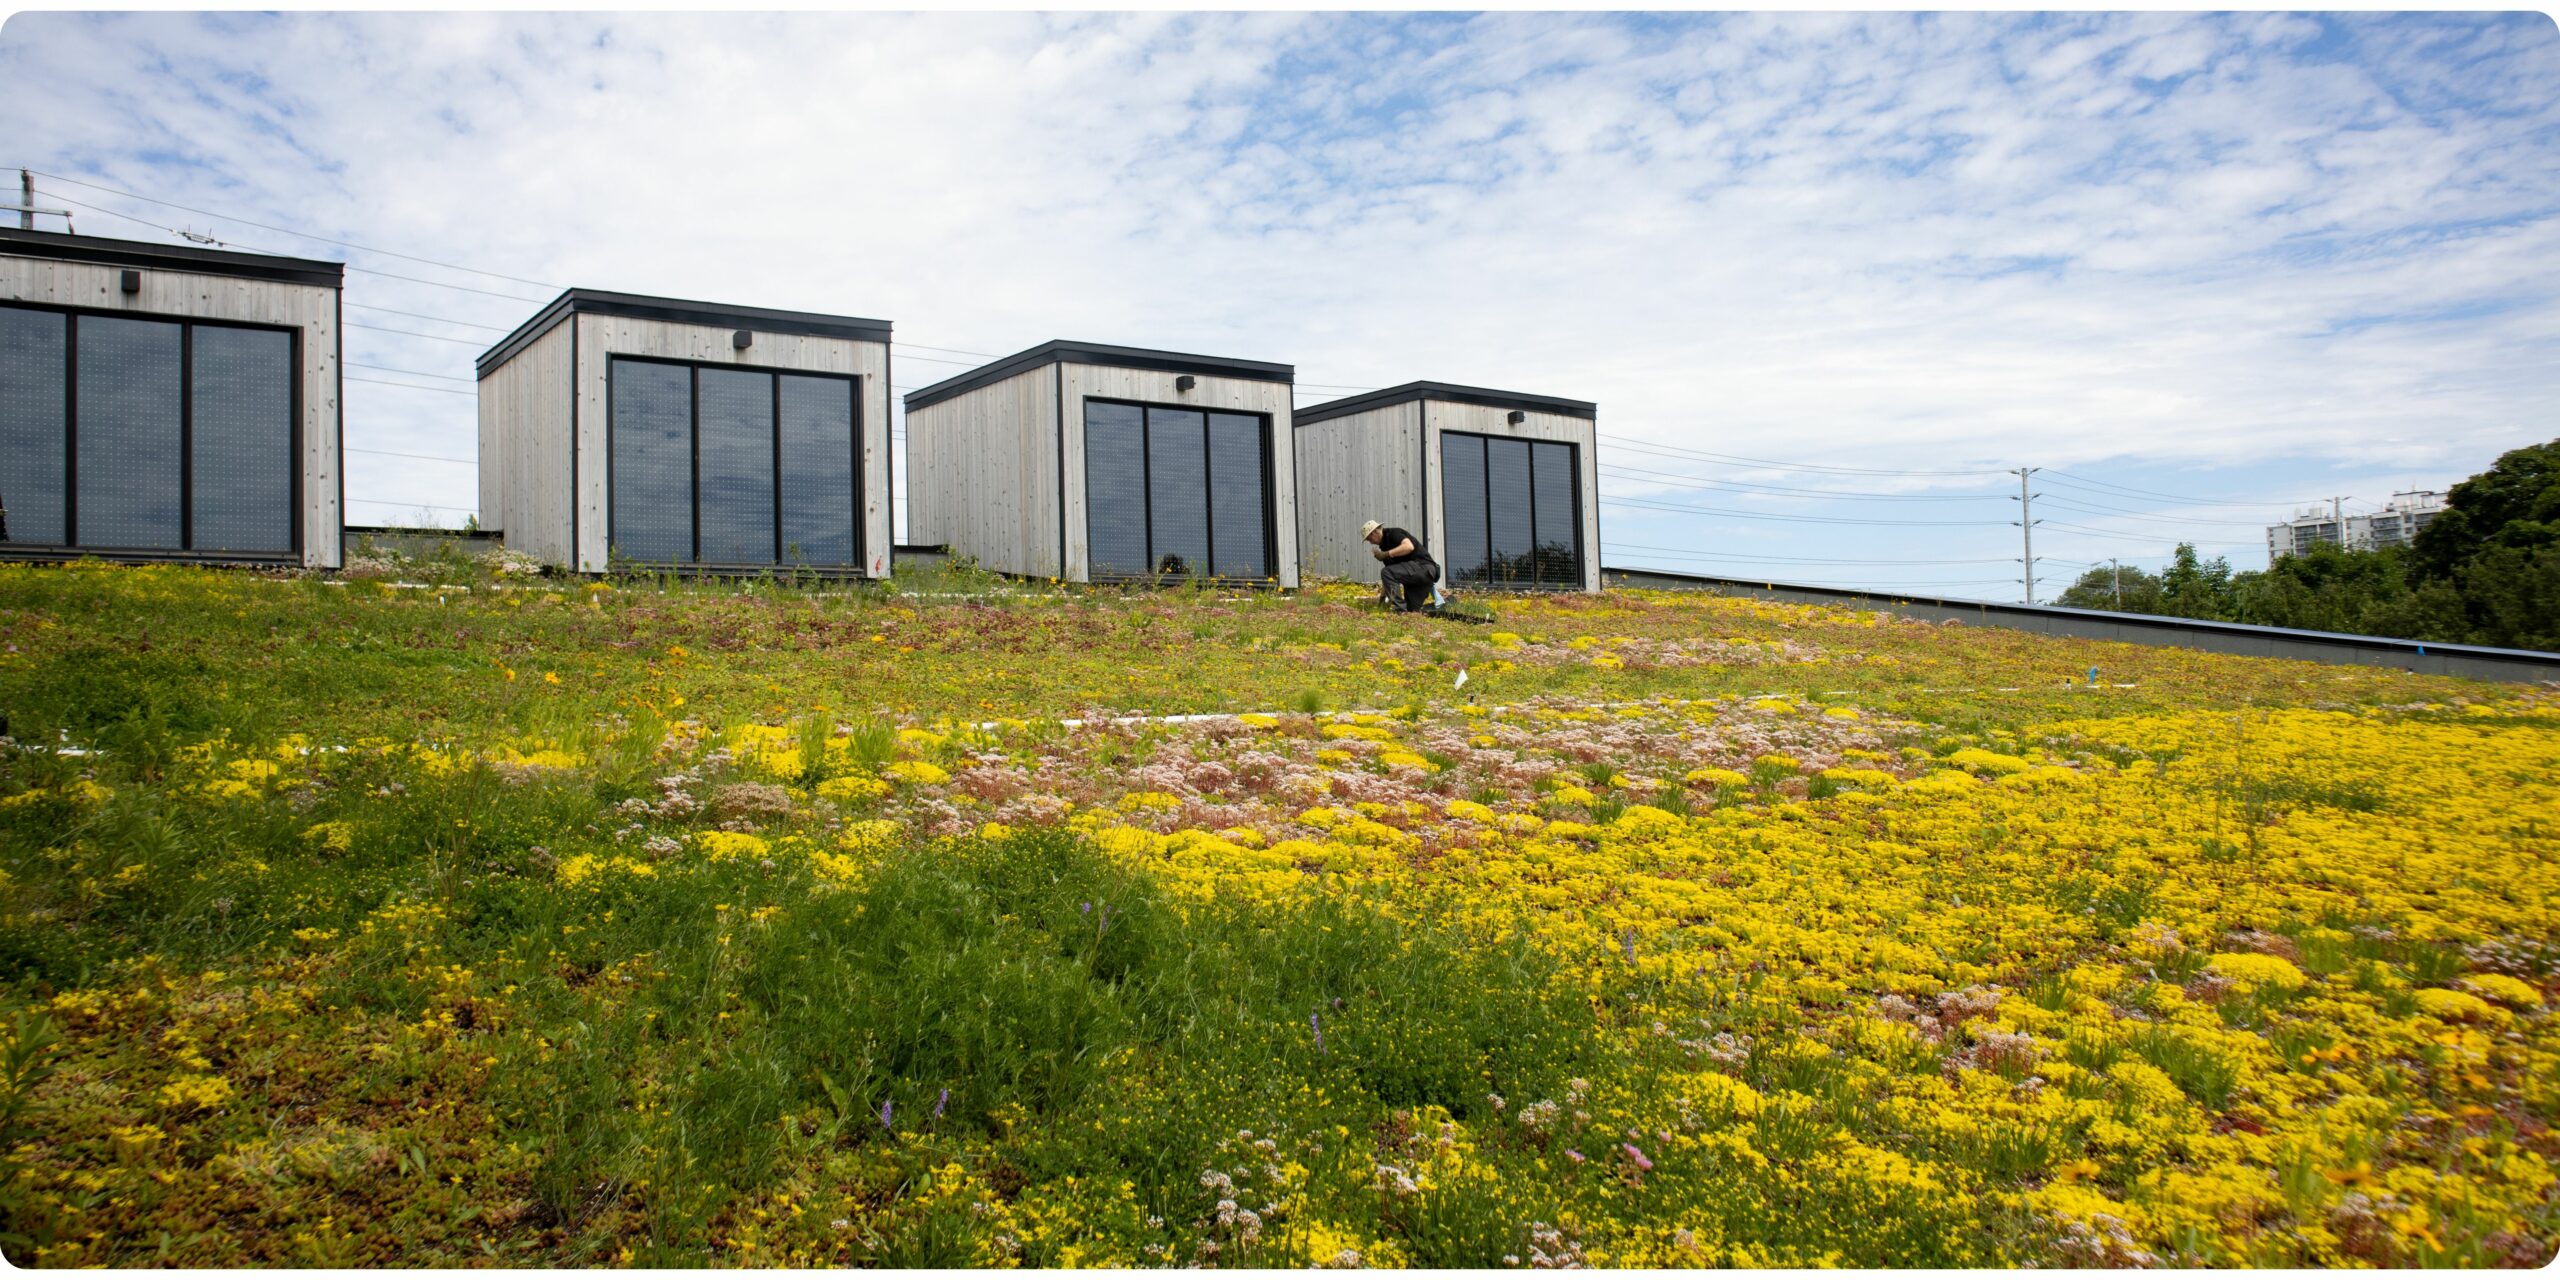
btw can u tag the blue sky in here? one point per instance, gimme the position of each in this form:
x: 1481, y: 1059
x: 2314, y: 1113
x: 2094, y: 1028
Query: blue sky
x: 2259, y: 259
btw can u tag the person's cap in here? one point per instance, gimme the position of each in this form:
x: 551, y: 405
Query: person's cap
x: 1368, y: 527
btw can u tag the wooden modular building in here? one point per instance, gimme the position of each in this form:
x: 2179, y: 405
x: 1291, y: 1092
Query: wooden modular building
x: 1094, y: 463
x: 162, y: 402
x: 623, y: 430
x: 1503, y: 488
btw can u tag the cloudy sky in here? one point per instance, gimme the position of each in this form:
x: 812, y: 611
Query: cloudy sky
x: 1827, y: 277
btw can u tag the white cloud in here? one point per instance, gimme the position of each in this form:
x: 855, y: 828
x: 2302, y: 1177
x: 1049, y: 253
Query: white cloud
x: 1913, y: 241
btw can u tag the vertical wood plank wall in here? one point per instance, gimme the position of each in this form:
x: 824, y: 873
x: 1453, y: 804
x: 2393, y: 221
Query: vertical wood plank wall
x: 1154, y: 386
x: 1360, y: 466
x: 601, y: 337
x: 982, y: 474
x: 181, y: 294
x: 1441, y: 415
x: 524, y: 447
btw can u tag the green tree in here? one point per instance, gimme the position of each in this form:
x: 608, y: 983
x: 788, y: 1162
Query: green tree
x: 2192, y: 587
x: 2131, y: 590
x: 2515, y: 503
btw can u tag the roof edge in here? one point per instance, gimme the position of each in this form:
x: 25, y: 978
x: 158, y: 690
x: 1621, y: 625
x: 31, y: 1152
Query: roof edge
x: 575, y: 301
x: 1065, y: 351
x: 148, y: 255
x: 1446, y: 391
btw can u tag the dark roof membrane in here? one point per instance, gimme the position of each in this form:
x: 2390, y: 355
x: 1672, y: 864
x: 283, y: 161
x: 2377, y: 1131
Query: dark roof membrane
x: 1447, y: 392
x: 1062, y: 351
x: 147, y: 256
x: 711, y: 315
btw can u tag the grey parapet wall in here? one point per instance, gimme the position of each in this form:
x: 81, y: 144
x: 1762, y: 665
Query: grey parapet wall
x: 2473, y: 662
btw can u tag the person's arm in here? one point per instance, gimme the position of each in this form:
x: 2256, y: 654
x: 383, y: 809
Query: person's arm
x: 1403, y: 546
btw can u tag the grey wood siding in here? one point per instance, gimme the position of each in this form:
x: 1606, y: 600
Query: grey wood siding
x: 1361, y: 466
x: 313, y: 309
x: 601, y: 337
x: 982, y: 474
x: 1441, y: 416
x: 1152, y: 386
x: 525, y: 407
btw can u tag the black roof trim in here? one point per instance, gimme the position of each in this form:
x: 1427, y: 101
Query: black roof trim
x: 1060, y: 350
x: 144, y: 254
x: 1450, y: 392
x: 677, y: 311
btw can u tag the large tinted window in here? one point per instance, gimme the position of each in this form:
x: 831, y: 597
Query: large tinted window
x: 1178, y: 491
x: 735, y: 433
x: 129, y: 433
x: 1235, y: 495
x: 816, y: 421
x: 1513, y: 511
x: 241, y: 443
x: 1558, y: 521
x: 1462, y: 506
x: 1115, y: 489
x: 34, y: 445
x: 127, y: 399
x: 726, y: 466
x: 1175, y: 492
x: 652, y: 480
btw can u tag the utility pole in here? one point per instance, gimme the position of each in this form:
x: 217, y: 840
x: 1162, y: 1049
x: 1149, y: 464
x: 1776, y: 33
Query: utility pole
x: 2026, y: 523
x: 26, y: 205
x: 2119, y: 567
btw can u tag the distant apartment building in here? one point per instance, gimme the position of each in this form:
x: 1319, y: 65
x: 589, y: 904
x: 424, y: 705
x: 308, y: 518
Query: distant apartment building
x: 2395, y: 525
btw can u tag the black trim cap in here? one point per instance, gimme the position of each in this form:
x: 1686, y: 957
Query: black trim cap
x: 1062, y: 351
x: 1446, y: 391
x: 144, y: 255
x: 710, y: 315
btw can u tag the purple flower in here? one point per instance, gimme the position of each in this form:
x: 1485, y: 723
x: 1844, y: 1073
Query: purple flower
x: 1573, y: 1155
x: 1642, y: 1164
x: 1627, y: 943
x: 886, y: 1106
x: 1088, y: 908
x: 1315, y: 1021
x: 940, y: 1103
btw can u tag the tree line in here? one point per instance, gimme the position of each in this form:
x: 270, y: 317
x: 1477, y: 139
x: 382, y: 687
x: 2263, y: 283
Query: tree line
x: 2486, y: 571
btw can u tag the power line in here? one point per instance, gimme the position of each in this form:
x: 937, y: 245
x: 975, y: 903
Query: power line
x: 415, y: 373
x: 2076, y: 504
x: 411, y: 333
x: 411, y: 386
x: 2136, y: 537
x: 237, y: 244
x: 420, y: 315
x: 422, y: 457
x: 2103, y: 485
x: 1712, y: 555
x: 428, y: 506
x: 1675, y: 479
x: 1651, y: 504
x: 344, y: 244
x: 1791, y: 466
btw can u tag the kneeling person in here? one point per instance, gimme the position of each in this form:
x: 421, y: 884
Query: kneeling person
x: 1406, y: 567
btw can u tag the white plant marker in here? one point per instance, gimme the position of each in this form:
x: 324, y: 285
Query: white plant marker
x: 1462, y: 679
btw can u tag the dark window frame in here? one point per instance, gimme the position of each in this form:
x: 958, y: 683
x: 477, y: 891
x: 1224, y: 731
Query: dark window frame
x: 693, y: 437
x: 1208, y: 496
x: 1581, y: 565
x: 297, y: 368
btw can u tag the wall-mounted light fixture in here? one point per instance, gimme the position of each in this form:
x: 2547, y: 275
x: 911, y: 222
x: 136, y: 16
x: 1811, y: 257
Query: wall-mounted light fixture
x: 131, y: 282
x: 742, y: 339
x: 1185, y: 382
x: 1517, y: 417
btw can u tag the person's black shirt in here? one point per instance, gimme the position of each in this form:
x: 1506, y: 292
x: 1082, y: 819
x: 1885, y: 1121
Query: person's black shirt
x: 1390, y: 536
